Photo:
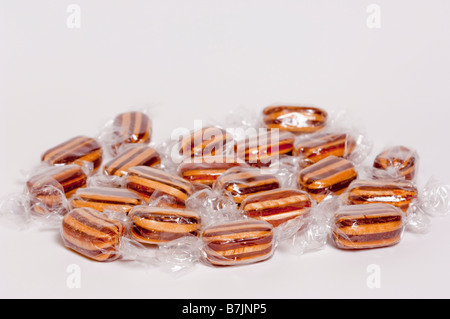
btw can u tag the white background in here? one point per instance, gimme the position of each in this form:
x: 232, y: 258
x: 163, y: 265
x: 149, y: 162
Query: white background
x: 196, y: 60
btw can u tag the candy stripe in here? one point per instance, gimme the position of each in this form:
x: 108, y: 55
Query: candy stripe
x: 155, y: 224
x: 145, y: 180
x: 398, y: 193
x: 136, y: 156
x: 101, y: 198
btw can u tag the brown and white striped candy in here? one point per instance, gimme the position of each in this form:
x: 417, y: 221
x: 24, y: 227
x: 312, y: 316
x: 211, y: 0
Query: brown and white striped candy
x: 145, y: 181
x: 207, y: 169
x: 105, y: 198
x: 296, y: 119
x: 131, y: 127
x: 92, y: 234
x: 277, y: 206
x: 331, y: 175
x: 265, y: 148
x: 238, y: 242
x: 155, y: 225
x: 318, y: 146
x: 48, y: 188
x: 139, y: 155
x: 78, y: 150
x: 397, y: 160
x: 367, y: 226
x: 397, y: 193
x: 242, y: 182
x: 208, y: 141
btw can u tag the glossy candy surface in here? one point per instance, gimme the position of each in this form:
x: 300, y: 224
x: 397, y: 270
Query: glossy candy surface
x: 367, y: 226
x: 92, y: 234
x: 238, y: 242
x: 331, y: 175
x: 298, y: 119
x: 154, y: 225
x: 78, y: 150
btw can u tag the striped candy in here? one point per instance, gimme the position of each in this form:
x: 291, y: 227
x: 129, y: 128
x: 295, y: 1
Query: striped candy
x: 131, y: 127
x: 105, y: 198
x: 243, y: 182
x: 146, y: 180
x: 277, y: 206
x: 155, y: 225
x: 298, y: 119
x: 140, y: 155
x: 332, y: 175
x: 367, y: 226
x: 208, y: 141
x: 48, y: 188
x: 397, y: 193
x: 207, y: 169
x: 263, y: 149
x: 76, y: 150
x: 92, y: 234
x: 238, y: 242
x: 321, y: 145
x: 400, y: 159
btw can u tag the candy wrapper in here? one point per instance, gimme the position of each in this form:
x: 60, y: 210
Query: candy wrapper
x: 396, y: 162
x: 131, y: 127
x: 46, y: 195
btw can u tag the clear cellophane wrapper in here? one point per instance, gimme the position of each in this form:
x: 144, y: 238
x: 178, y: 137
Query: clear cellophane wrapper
x: 43, y: 201
x: 112, y: 136
x: 433, y: 201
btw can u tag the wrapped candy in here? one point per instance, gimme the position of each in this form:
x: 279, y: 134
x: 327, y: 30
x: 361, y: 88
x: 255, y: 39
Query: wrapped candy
x: 397, y: 162
x: 238, y: 242
x: 265, y: 148
x: 277, y: 206
x: 48, y: 189
x: 81, y: 150
x: 92, y: 233
x: 132, y: 127
x: 296, y: 119
x: 207, y: 141
x: 144, y: 181
x: 331, y: 175
x: 155, y: 225
x: 243, y: 182
x: 367, y: 226
x: 105, y: 198
x: 207, y: 169
x: 135, y: 155
x: 396, y: 193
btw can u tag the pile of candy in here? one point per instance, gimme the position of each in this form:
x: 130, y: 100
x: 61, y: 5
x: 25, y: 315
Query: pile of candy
x: 226, y: 199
